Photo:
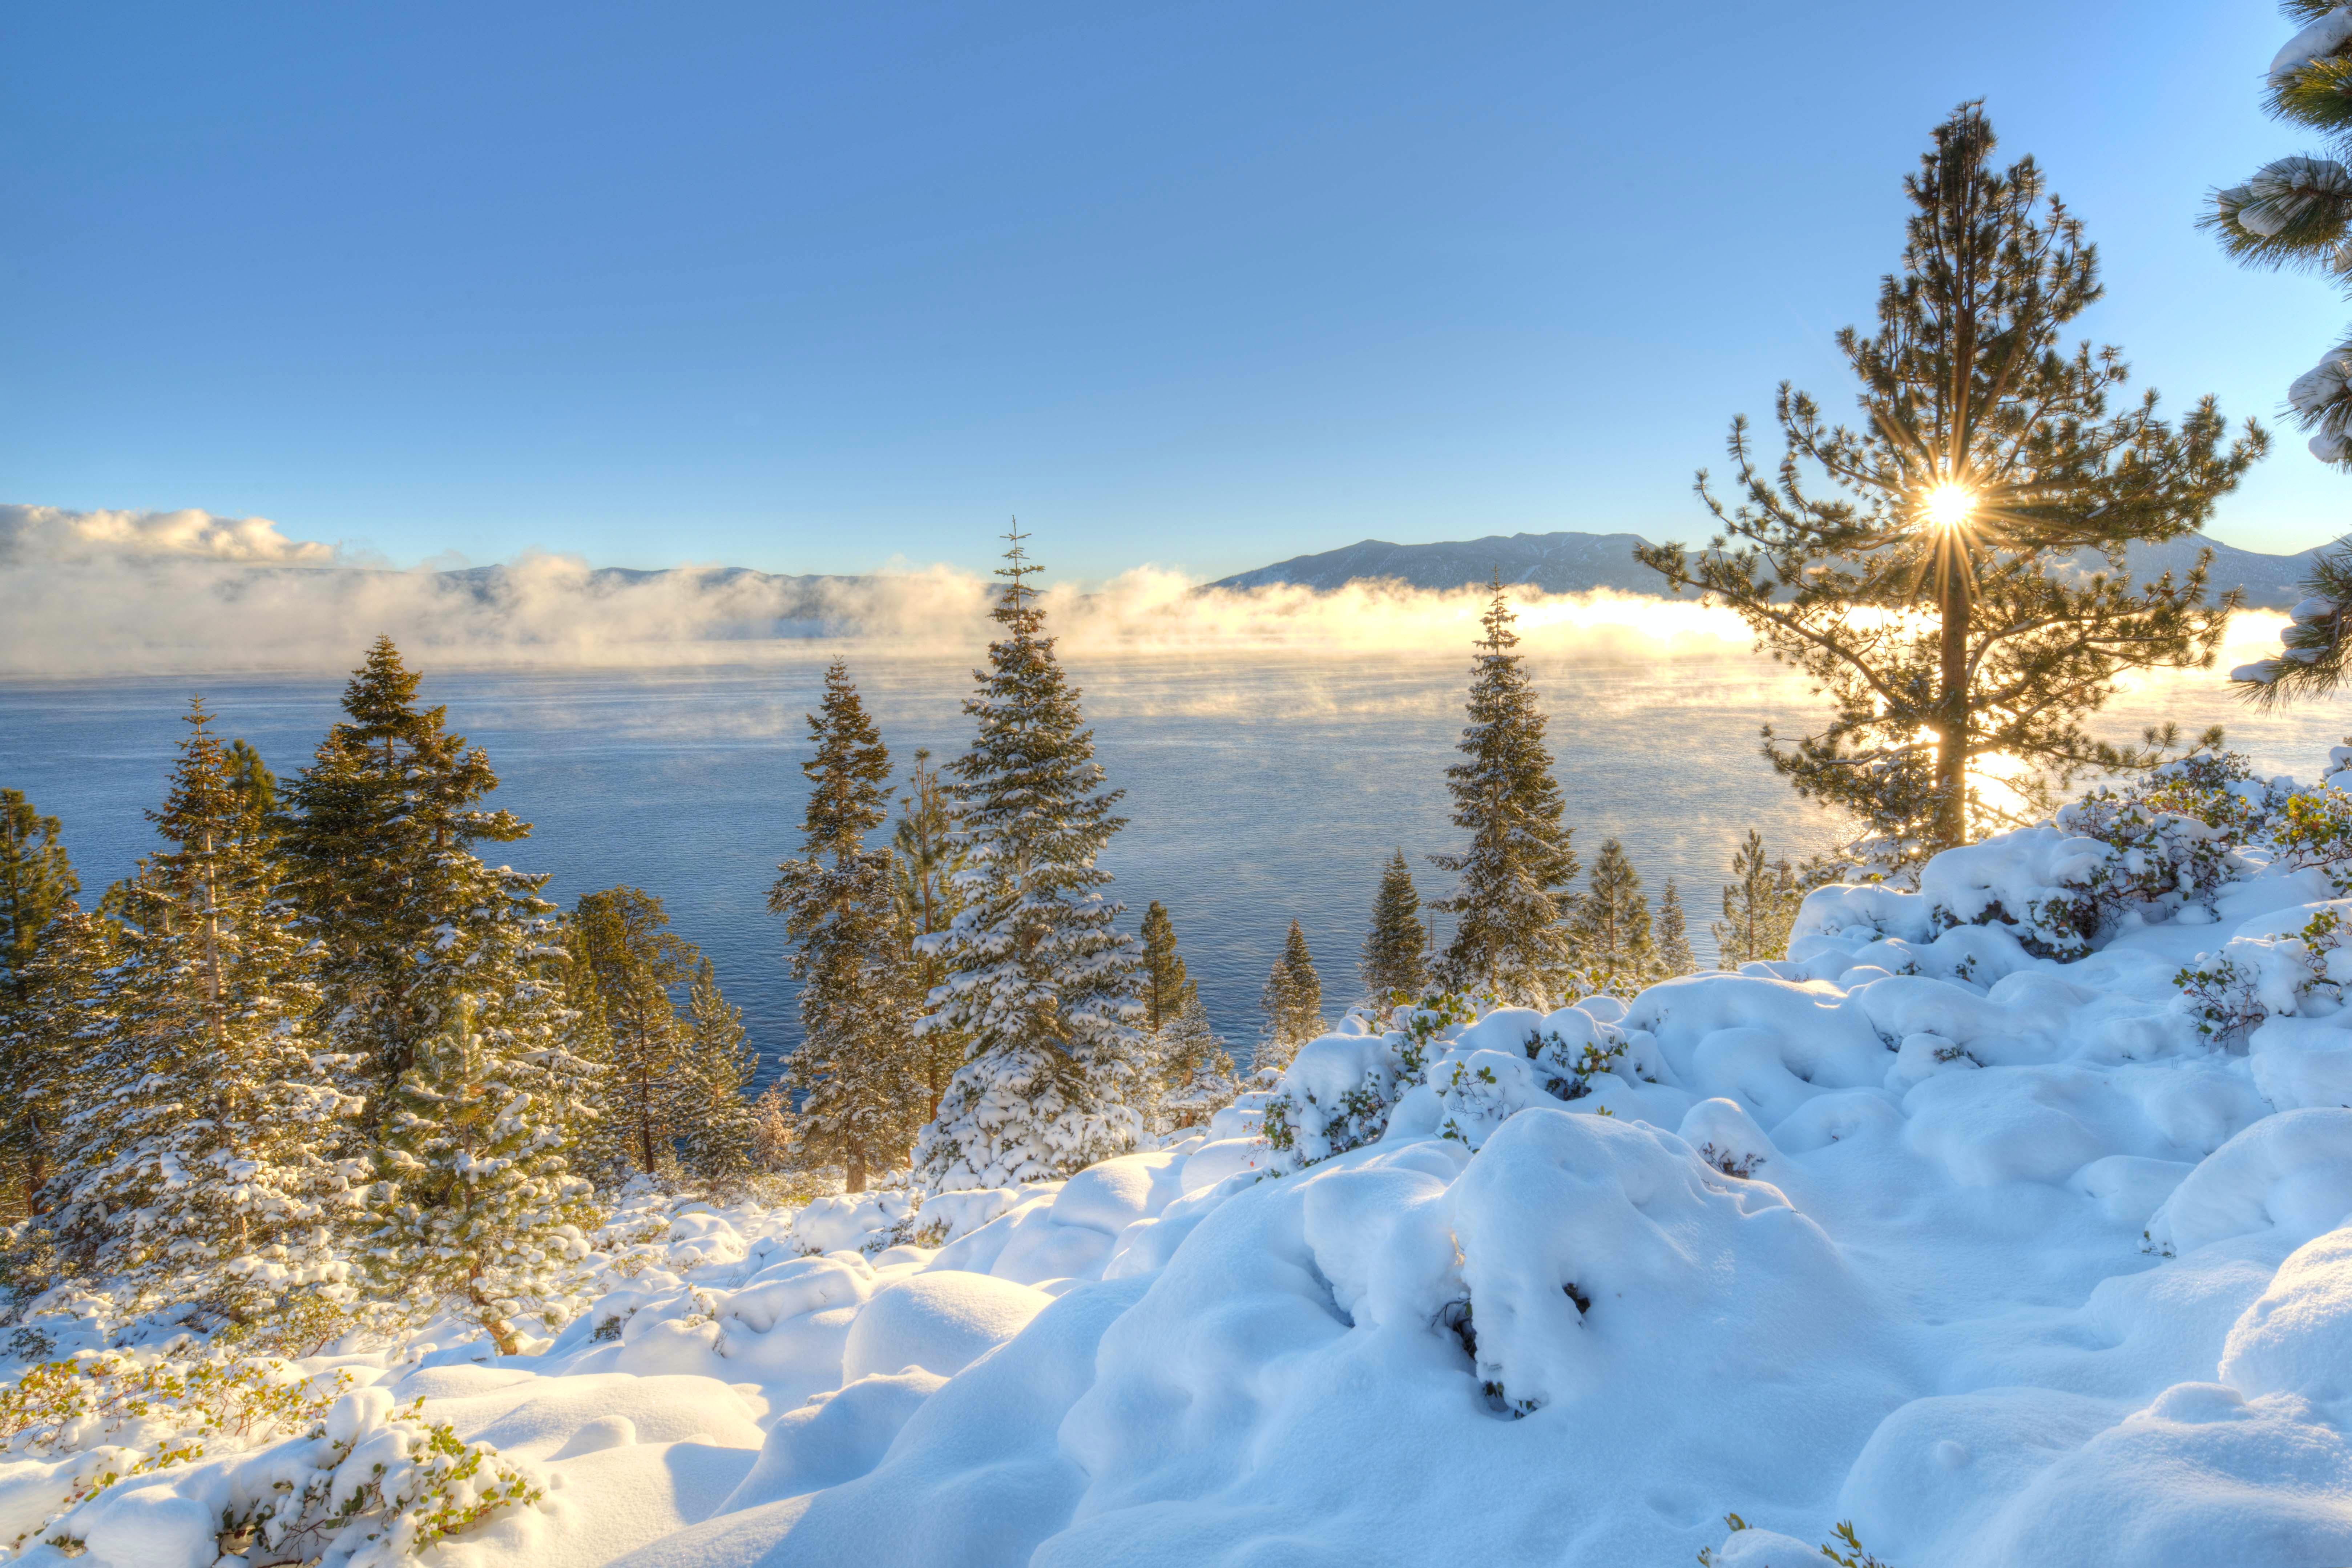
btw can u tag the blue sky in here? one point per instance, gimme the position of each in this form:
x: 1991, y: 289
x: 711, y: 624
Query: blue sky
x: 811, y: 289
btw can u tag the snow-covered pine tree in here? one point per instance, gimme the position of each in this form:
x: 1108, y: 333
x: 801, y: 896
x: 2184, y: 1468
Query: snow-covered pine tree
x: 1512, y: 896
x: 1042, y: 982
x: 718, y: 1128
x: 377, y: 837
x: 1759, y: 906
x: 1164, y: 985
x: 1673, y: 953
x: 36, y: 889
x: 773, y: 1135
x: 1611, y: 925
x: 203, y: 1164
x: 852, y: 1072
x: 622, y: 935
x: 1198, y: 1073
x: 1933, y: 590
x: 926, y: 858
x: 1394, y: 963
x: 1293, y: 1001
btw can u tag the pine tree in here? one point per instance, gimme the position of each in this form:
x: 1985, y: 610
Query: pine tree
x: 36, y: 888
x: 927, y: 859
x: 1513, y: 896
x: 621, y: 936
x: 203, y: 1164
x: 772, y: 1133
x: 1165, y: 987
x: 1043, y: 984
x: 1611, y: 925
x: 720, y: 1129
x: 1195, y: 1071
x: 255, y: 788
x: 377, y: 839
x: 849, y: 951
x: 1293, y: 1001
x: 1759, y: 906
x: 1394, y: 963
x: 1673, y: 952
x: 1934, y: 600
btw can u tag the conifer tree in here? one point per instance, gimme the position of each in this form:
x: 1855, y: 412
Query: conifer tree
x: 1509, y: 905
x: 1196, y: 1072
x: 927, y: 859
x: 772, y: 1135
x: 1042, y: 982
x: 1673, y: 955
x: 203, y: 1162
x: 1611, y: 925
x: 621, y: 936
x: 377, y: 838
x: 1164, y: 984
x: 1293, y: 1000
x: 1928, y: 590
x: 1759, y: 906
x: 719, y: 1128
x: 849, y: 951
x: 1394, y: 963
x: 255, y: 788
x: 36, y: 889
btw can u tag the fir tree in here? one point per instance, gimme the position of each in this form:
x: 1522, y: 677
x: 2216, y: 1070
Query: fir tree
x: 1394, y: 964
x: 1513, y: 896
x: 1933, y: 599
x: 927, y: 859
x: 1759, y: 906
x: 849, y: 951
x: 1673, y: 951
x: 1611, y: 925
x: 377, y: 837
x: 203, y: 1162
x: 621, y: 935
x: 719, y: 1128
x: 1042, y: 982
x: 1165, y: 987
x: 1196, y: 1072
x: 36, y: 888
x: 1293, y: 1001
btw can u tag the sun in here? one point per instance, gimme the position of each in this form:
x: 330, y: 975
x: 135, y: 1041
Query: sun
x: 1950, y: 505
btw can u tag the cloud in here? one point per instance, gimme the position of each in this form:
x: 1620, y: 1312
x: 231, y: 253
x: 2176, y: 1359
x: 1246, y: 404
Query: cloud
x: 49, y: 535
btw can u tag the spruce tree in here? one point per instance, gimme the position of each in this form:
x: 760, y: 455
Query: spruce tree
x: 849, y: 950
x: 1513, y: 894
x: 377, y: 837
x: 1293, y: 1001
x: 1196, y: 1072
x: 203, y: 1164
x: 1759, y: 906
x: 1394, y: 964
x: 1164, y: 984
x: 1673, y: 950
x: 622, y: 935
x: 1042, y: 982
x: 36, y: 889
x: 1929, y: 591
x: 1611, y: 925
x: 927, y: 859
x: 719, y: 1128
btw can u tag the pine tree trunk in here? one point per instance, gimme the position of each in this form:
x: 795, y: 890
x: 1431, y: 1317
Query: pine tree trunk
x: 1952, y: 587
x: 856, y: 1167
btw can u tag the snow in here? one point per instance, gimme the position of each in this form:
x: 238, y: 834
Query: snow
x: 1990, y: 1250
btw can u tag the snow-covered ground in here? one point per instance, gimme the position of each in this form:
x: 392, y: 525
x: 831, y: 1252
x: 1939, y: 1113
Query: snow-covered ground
x: 2001, y: 1257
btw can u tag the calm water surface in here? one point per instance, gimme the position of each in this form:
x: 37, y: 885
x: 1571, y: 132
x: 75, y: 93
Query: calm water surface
x: 1260, y: 788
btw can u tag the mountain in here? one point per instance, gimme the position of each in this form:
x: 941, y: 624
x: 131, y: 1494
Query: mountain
x: 1568, y: 563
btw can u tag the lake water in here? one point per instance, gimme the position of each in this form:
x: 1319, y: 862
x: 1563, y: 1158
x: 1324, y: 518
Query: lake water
x: 1260, y: 787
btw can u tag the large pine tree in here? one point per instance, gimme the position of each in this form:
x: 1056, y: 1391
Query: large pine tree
x: 1042, y: 983
x: 849, y: 951
x: 1932, y: 589
x: 1513, y: 893
x: 1293, y: 1003
x: 1611, y: 925
x: 203, y: 1162
x: 36, y: 888
x: 1395, y: 962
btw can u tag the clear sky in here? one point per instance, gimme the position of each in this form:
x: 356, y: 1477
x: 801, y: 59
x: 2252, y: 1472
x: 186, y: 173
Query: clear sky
x: 813, y: 288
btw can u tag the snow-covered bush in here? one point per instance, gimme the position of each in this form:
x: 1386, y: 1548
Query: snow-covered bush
x: 1479, y: 1087
x: 2297, y: 974
x: 1337, y: 1091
